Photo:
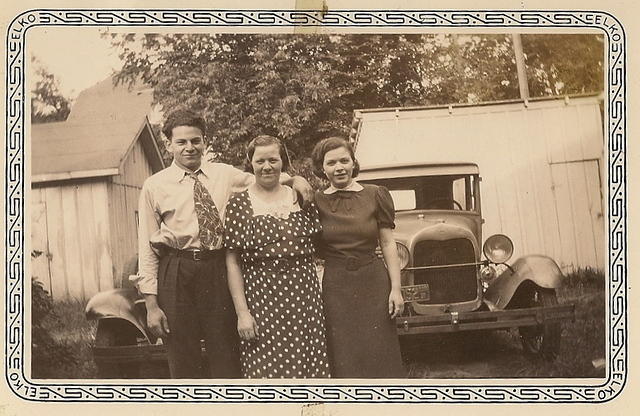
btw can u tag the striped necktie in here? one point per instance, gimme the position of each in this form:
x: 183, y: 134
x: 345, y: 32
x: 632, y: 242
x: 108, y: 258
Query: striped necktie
x: 209, y: 222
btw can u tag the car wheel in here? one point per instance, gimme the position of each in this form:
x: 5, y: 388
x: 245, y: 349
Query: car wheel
x: 115, y: 333
x: 542, y: 340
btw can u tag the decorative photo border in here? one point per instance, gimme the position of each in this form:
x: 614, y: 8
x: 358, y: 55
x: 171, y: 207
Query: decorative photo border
x: 178, y: 391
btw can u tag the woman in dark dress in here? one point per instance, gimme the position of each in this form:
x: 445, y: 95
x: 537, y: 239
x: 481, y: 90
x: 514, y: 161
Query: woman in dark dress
x: 272, y: 277
x: 361, y: 297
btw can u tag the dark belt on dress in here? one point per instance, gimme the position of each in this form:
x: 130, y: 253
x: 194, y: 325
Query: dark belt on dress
x: 277, y: 263
x: 194, y: 254
x: 351, y: 263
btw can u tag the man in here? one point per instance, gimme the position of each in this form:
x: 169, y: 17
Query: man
x: 182, y: 273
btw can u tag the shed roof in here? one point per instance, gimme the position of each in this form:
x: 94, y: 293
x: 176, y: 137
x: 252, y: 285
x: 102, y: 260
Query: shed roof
x: 400, y: 170
x: 102, y: 127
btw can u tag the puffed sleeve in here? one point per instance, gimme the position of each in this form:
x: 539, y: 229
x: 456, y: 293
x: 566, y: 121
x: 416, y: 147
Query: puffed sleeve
x: 314, y: 219
x: 385, y: 211
x: 234, y: 223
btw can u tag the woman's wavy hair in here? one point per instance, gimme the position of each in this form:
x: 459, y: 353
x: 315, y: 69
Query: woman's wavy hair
x: 266, y: 140
x: 326, y: 145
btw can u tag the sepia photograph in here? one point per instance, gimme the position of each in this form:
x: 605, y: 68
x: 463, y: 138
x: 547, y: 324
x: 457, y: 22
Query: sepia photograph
x: 317, y: 204
x: 313, y: 207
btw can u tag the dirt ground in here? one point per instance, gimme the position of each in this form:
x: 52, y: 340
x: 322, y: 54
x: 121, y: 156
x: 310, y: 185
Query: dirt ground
x: 463, y: 355
x: 498, y: 354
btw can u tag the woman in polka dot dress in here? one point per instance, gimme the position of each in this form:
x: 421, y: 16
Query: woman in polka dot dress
x: 271, y: 273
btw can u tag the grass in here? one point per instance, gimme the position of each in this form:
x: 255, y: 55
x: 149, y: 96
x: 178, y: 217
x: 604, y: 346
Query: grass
x: 68, y: 325
x: 497, y: 354
x: 493, y: 354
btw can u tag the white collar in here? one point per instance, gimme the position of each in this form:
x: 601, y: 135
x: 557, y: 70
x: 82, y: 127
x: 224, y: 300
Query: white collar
x: 353, y: 187
x: 180, y: 173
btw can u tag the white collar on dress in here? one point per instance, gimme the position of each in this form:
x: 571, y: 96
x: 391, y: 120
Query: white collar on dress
x: 352, y: 187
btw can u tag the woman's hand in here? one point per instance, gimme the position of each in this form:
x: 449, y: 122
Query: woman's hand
x: 396, y: 303
x: 247, y: 326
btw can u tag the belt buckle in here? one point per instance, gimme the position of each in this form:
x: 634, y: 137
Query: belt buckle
x: 352, y: 264
x: 196, y: 255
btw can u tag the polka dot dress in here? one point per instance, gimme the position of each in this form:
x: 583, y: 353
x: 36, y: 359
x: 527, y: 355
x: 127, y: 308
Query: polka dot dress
x: 282, y: 291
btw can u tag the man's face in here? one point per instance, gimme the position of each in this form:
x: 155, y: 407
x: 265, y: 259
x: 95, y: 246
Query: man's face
x: 187, y: 146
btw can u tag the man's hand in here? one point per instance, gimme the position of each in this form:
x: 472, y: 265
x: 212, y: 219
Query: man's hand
x: 157, y: 322
x: 156, y: 319
x: 300, y: 185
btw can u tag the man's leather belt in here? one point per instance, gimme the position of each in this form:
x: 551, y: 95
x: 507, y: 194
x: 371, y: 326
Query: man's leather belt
x: 192, y: 254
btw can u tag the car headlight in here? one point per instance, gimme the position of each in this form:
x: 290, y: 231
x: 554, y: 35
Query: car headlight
x: 498, y: 248
x: 403, y: 255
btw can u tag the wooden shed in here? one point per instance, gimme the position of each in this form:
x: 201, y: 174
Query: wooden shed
x: 86, y: 177
x: 541, y: 164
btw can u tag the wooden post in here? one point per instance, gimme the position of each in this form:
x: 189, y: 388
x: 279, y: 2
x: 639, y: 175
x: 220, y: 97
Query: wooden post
x: 522, y: 70
x: 313, y: 409
x: 310, y: 5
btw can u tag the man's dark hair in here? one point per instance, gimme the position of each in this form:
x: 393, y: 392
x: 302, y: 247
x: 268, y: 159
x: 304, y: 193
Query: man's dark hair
x: 265, y: 140
x: 326, y: 145
x: 182, y: 117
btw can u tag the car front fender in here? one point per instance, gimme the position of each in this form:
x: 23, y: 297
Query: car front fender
x: 541, y: 270
x: 120, y: 304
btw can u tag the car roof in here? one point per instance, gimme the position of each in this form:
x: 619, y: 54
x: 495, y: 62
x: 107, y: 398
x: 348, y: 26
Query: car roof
x: 396, y: 170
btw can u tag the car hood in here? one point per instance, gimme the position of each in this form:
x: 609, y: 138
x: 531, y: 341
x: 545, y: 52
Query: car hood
x: 412, y: 226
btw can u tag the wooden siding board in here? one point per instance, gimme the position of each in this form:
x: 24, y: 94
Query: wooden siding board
x: 103, y: 248
x: 124, y: 192
x: 115, y: 216
x: 127, y: 231
x: 584, y: 225
x: 539, y: 175
x: 55, y: 233
x: 550, y: 221
x: 488, y: 187
x: 559, y: 132
x: 595, y: 209
x: 507, y: 197
x: 590, y: 131
x: 73, y: 258
x: 567, y: 222
x: 40, y: 264
x: 492, y: 208
x: 530, y: 154
x: 135, y: 169
x: 521, y: 185
x: 88, y: 240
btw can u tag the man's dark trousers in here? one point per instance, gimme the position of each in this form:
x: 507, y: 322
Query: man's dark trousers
x: 195, y: 298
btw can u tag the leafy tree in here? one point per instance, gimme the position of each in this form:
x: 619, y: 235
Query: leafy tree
x: 47, y: 102
x: 300, y: 88
x: 564, y: 64
x: 305, y: 87
x: 470, y: 69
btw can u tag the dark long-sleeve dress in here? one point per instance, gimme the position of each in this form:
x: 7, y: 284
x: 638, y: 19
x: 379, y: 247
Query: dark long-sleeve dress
x: 361, y: 337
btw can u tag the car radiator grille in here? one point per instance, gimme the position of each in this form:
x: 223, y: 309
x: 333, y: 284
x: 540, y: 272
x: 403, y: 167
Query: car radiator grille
x: 451, y: 284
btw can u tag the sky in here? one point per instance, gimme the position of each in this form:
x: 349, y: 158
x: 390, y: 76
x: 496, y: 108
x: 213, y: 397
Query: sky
x: 78, y: 57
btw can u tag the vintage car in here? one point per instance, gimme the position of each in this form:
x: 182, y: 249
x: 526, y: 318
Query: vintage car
x: 448, y: 285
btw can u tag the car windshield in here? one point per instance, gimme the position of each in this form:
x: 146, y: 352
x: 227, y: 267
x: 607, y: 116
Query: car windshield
x: 448, y: 192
